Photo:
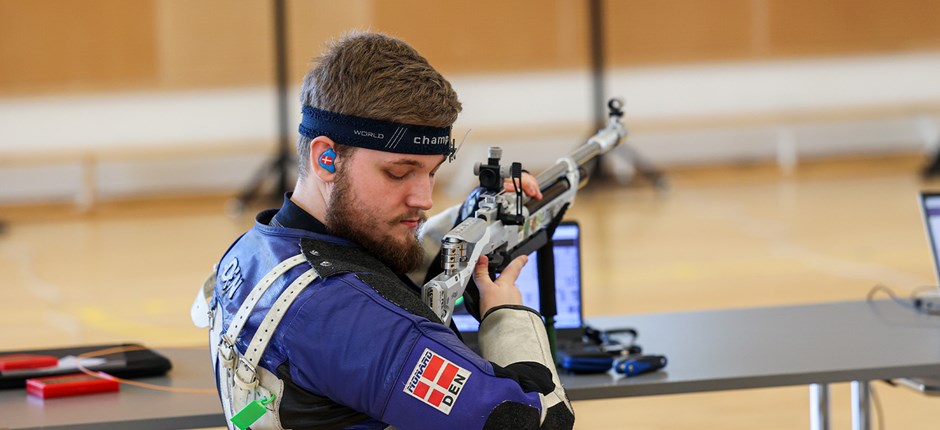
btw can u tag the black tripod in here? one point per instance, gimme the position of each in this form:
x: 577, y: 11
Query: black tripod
x: 625, y: 153
x: 283, y: 159
x: 932, y: 169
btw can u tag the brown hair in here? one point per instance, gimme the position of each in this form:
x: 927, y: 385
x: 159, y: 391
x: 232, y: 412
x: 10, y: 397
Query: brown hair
x: 375, y: 76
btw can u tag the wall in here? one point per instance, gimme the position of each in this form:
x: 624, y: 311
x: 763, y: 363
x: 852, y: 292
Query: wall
x: 182, y: 74
x: 92, y: 45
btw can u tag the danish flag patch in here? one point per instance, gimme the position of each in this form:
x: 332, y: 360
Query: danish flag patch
x: 437, y: 381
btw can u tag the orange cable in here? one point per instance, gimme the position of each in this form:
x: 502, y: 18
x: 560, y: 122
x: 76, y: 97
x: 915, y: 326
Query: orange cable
x: 103, y: 375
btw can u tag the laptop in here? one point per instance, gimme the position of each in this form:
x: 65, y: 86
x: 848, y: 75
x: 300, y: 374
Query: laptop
x: 569, y: 319
x: 930, y: 209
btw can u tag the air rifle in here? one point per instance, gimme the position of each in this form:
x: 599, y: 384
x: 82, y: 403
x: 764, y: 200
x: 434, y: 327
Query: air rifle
x: 508, y: 224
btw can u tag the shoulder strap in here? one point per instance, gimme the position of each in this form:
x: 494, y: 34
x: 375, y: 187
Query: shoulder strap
x: 245, y: 375
x: 238, y: 322
x: 259, y: 342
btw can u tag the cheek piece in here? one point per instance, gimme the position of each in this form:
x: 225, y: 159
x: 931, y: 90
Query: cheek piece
x: 326, y: 160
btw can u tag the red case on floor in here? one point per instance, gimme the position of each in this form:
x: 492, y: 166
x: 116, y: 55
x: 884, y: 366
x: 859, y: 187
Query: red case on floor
x: 69, y: 385
x: 26, y: 361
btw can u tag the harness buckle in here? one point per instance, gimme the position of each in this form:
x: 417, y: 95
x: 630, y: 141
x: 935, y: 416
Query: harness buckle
x: 252, y: 382
x: 227, y: 351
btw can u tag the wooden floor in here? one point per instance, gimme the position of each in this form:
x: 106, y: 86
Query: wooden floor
x: 720, y: 238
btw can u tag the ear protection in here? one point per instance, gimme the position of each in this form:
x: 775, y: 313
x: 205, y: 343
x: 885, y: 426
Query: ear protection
x: 326, y: 160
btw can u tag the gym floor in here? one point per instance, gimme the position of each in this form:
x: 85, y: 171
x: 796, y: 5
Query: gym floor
x: 721, y: 237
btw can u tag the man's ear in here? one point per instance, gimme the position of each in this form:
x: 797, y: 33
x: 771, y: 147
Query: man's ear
x: 323, y: 158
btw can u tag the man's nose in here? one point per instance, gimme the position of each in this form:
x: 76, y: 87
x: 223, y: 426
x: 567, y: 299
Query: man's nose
x: 419, y: 196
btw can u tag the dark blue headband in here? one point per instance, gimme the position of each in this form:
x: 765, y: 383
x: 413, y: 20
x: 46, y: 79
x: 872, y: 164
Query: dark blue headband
x: 374, y: 134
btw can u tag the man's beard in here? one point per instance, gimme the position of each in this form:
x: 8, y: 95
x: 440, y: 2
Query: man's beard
x: 348, y: 218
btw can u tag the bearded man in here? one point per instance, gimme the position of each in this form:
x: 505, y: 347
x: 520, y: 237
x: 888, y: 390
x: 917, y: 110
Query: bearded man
x: 313, y: 318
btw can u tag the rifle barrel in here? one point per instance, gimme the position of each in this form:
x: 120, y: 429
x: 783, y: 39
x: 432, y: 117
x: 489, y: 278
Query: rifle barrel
x: 599, y: 144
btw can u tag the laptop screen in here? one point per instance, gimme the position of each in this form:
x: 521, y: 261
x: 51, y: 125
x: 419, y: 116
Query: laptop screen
x: 567, y: 283
x: 930, y: 203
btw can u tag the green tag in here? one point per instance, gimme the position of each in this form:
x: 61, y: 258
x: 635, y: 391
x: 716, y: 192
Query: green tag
x: 458, y: 301
x: 251, y: 413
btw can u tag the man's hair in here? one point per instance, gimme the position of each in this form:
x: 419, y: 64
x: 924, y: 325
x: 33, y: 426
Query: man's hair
x: 379, y: 77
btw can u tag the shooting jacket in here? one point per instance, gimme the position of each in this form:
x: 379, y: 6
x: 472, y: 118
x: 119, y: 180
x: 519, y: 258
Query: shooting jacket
x: 346, y: 343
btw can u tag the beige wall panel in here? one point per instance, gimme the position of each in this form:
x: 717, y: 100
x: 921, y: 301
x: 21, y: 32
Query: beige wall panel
x: 666, y: 31
x: 817, y: 27
x: 311, y: 23
x: 70, y: 45
x: 489, y: 35
x: 55, y: 45
x: 215, y: 43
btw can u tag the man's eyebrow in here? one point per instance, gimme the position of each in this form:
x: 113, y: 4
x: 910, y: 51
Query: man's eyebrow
x: 407, y: 162
x: 412, y: 162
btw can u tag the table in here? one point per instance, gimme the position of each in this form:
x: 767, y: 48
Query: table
x: 811, y: 345
x: 734, y: 349
x: 132, y: 407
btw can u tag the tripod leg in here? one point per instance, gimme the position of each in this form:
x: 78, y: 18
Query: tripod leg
x: 932, y: 168
x: 615, y: 165
x: 625, y: 162
x: 648, y: 170
x: 279, y: 165
x: 930, y: 132
x: 237, y: 205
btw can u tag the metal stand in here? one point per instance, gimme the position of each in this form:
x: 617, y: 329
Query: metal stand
x: 932, y: 169
x: 861, y: 405
x: 819, y: 407
x: 930, y: 132
x: 627, y: 159
x: 283, y: 159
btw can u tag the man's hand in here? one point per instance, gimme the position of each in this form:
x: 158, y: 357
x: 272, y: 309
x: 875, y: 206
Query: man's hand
x: 502, y: 291
x: 530, y: 186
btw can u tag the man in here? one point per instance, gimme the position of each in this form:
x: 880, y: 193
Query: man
x: 313, y: 319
